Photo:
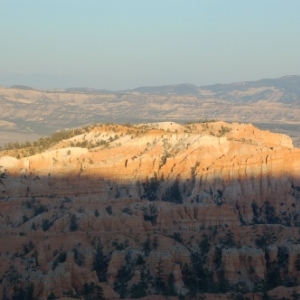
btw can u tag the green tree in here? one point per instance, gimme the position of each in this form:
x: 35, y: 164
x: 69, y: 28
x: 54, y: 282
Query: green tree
x: 92, y: 291
x: 138, y: 290
x: 159, y: 282
x: 100, y: 263
x: 124, y: 275
x: 155, y: 243
x: 147, y: 246
x: 52, y: 296
x: 170, y: 288
x: 297, y: 262
x: 173, y: 193
x: 151, y: 188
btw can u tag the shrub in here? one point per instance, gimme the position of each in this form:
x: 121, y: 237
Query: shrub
x: 150, y: 213
x: 78, y: 257
x: 177, y: 237
x: 46, y: 224
x: 163, y: 159
x: 140, y: 260
x: 73, y: 223
x: 59, y: 259
x: 224, y: 130
x: 155, y: 243
x: 109, y: 210
x: 39, y: 209
x: 27, y: 247
x: 127, y: 210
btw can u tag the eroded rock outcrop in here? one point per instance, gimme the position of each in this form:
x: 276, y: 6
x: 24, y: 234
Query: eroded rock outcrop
x: 153, y: 208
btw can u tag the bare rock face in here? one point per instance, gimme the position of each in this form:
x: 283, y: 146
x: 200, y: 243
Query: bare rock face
x: 149, y: 209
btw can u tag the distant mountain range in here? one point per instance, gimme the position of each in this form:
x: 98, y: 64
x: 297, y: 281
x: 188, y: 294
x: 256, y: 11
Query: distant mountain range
x: 289, y: 85
x: 275, y: 101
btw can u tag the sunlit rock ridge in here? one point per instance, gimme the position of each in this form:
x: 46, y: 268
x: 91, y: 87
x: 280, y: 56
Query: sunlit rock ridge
x: 200, y: 208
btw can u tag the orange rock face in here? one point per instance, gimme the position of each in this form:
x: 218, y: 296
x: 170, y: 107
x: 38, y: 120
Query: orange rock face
x: 173, y: 209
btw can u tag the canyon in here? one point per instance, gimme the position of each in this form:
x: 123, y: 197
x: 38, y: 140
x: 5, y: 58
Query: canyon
x: 204, y: 210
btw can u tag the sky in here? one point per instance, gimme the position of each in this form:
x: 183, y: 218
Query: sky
x: 124, y: 44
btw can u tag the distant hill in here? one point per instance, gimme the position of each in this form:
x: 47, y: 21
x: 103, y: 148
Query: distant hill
x: 177, y: 89
x: 85, y: 90
x: 288, y: 85
x: 22, y: 87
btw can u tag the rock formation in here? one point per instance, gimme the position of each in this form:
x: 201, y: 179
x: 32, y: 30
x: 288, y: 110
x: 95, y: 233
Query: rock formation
x: 157, y: 208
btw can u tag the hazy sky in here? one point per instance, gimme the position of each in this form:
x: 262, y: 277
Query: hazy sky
x: 118, y: 44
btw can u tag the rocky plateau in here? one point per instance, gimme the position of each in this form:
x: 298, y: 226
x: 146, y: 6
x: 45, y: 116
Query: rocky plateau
x: 206, y: 210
